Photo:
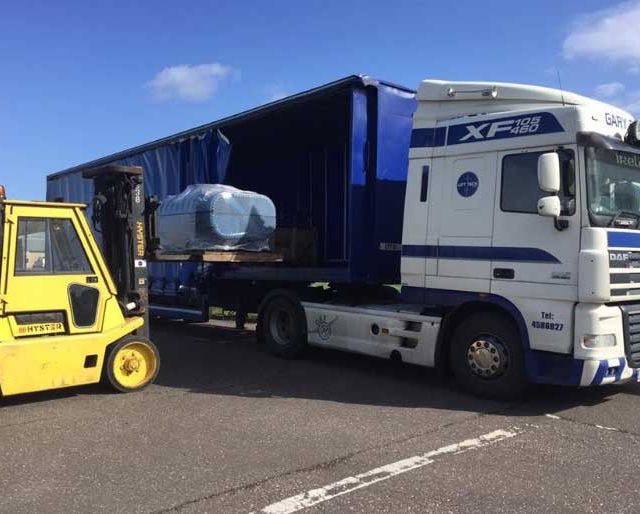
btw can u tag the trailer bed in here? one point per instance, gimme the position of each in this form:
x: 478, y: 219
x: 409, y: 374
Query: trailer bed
x: 218, y: 256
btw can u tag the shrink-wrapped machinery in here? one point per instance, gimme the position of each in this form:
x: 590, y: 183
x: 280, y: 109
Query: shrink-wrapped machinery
x: 215, y: 217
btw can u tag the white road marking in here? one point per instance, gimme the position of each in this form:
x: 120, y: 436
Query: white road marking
x: 601, y: 427
x: 350, y: 484
x: 611, y: 429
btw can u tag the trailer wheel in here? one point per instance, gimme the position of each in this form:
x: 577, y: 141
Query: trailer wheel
x: 283, y: 325
x: 132, y: 364
x: 487, y: 358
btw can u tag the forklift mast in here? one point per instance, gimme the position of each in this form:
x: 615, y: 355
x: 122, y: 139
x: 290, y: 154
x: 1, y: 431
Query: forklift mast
x: 119, y: 219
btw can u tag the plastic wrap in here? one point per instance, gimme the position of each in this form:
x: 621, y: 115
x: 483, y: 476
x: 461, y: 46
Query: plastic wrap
x: 215, y: 217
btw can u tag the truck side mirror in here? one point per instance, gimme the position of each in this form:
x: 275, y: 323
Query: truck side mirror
x: 549, y: 206
x: 549, y: 172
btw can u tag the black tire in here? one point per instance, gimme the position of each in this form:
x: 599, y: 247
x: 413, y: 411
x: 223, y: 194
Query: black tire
x: 282, y: 325
x: 487, y: 357
x: 119, y: 380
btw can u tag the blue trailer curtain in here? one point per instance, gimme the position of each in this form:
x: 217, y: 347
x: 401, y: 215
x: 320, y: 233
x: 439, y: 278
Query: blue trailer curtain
x: 168, y: 169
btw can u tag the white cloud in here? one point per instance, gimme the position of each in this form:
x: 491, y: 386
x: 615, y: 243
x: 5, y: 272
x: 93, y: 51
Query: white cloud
x: 275, y: 92
x: 191, y: 83
x: 633, y: 70
x: 610, y: 34
x: 610, y: 89
x: 633, y: 104
x: 628, y: 100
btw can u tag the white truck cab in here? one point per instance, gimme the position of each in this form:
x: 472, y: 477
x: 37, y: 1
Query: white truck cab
x: 520, y: 246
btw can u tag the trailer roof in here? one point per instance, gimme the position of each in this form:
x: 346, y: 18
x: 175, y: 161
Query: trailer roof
x: 324, y: 90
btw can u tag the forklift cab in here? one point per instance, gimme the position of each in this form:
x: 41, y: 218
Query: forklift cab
x: 61, y: 321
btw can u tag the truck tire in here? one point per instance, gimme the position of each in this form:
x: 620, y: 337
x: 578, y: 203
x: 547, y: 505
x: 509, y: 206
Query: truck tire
x: 487, y: 358
x: 131, y: 364
x: 283, y: 325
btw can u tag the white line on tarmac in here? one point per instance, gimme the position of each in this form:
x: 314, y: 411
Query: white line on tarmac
x: 611, y: 429
x: 601, y: 427
x: 350, y: 484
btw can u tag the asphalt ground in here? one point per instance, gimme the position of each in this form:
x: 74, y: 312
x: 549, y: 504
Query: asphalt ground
x: 229, y: 428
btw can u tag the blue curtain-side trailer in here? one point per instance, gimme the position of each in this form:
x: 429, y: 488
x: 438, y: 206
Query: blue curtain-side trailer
x: 333, y: 160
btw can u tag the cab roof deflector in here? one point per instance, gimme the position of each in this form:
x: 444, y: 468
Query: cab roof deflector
x: 599, y: 141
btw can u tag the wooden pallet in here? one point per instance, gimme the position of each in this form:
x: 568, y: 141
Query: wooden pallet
x: 211, y: 256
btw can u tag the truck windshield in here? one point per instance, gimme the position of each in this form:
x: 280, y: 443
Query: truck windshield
x: 613, y: 179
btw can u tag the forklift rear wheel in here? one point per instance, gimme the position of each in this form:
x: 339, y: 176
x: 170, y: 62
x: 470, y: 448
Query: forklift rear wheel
x: 132, y: 364
x: 283, y: 325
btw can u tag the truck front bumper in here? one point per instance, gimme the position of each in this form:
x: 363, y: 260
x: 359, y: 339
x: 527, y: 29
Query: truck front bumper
x: 609, y: 371
x: 559, y: 369
x: 604, y: 365
x: 588, y: 366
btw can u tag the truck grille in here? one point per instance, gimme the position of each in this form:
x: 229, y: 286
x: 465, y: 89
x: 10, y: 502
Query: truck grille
x: 625, y: 274
x: 631, y: 324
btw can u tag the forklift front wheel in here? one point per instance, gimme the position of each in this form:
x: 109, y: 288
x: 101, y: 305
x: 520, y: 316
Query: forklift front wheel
x: 132, y: 364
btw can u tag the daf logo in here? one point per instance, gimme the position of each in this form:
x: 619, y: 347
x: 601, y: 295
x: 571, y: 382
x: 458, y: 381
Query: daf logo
x: 618, y: 257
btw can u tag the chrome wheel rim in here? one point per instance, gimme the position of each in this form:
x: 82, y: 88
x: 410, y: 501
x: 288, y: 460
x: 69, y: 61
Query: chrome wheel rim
x: 487, y: 357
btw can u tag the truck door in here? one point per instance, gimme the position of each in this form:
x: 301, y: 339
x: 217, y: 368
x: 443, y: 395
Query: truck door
x: 466, y: 197
x: 534, y: 264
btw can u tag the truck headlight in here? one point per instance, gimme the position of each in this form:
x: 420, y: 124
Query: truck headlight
x: 598, y: 341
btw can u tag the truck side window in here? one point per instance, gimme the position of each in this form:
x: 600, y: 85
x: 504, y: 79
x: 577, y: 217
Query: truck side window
x: 47, y: 246
x: 520, y: 191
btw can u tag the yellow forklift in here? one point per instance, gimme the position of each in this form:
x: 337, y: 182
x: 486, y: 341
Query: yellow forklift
x: 74, y: 312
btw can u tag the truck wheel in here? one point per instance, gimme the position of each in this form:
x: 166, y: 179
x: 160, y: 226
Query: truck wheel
x: 283, y: 325
x: 487, y: 358
x: 132, y: 364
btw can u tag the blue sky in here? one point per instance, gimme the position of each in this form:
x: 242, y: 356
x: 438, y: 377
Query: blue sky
x: 82, y: 79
